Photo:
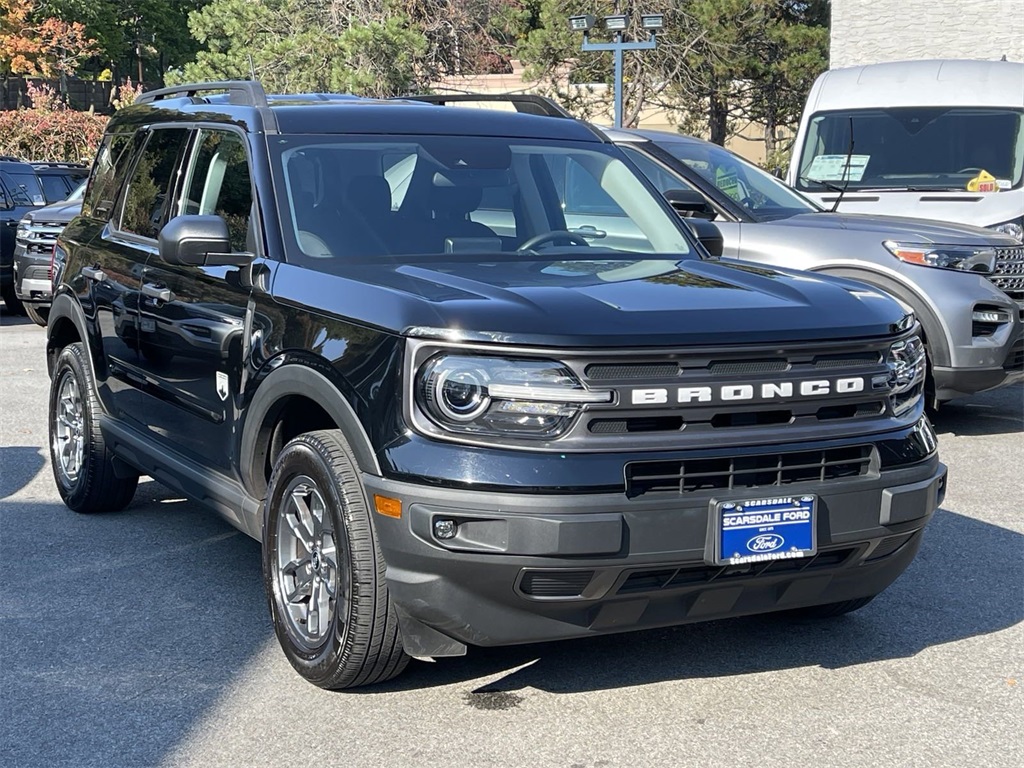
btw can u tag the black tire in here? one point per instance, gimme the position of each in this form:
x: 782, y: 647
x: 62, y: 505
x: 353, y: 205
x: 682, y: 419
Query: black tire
x: 358, y: 641
x: 14, y: 305
x: 37, y: 316
x: 832, y: 610
x: 93, y: 485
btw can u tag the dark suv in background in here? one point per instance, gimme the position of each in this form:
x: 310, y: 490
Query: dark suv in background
x: 362, y: 333
x: 35, y: 237
x: 20, y: 192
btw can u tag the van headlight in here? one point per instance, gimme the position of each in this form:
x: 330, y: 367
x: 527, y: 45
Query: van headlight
x: 968, y: 258
x: 472, y: 395
x: 907, y: 363
x: 1013, y: 228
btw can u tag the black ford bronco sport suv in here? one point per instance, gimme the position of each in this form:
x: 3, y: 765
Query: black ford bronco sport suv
x: 361, y: 331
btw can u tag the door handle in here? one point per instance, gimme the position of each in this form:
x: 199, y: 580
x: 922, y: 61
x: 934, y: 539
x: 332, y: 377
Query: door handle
x: 94, y: 273
x: 158, y: 292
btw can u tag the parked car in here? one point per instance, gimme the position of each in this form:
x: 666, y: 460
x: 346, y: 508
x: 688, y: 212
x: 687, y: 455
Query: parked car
x: 964, y: 283
x: 60, y: 180
x: 934, y: 139
x: 20, y: 192
x: 446, y: 433
x: 35, y: 237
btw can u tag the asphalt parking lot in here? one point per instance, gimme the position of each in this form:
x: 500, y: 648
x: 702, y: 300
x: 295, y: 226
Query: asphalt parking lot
x: 143, y: 638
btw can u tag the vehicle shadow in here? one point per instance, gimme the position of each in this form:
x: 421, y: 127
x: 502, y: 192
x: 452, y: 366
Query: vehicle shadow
x: 6, y: 318
x: 121, y: 630
x: 19, y: 464
x: 990, y: 413
x: 949, y: 593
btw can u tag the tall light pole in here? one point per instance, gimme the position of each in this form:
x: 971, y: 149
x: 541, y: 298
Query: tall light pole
x: 617, y: 24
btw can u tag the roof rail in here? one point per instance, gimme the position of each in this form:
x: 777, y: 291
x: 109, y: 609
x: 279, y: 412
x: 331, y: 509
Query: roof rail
x: 530, y: 103
x: 244, y: 92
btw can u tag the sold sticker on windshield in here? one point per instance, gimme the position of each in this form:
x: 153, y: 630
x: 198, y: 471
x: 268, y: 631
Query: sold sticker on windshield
x: 836, y: 167
x: 983, y: 182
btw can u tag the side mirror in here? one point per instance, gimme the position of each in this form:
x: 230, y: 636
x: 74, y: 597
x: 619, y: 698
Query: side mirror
x: 708, y: 234
x: 689, y: 202
x: 199, y: 241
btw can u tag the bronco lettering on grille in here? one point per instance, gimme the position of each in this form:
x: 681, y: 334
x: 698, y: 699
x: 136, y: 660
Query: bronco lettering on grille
x: 747, y: 392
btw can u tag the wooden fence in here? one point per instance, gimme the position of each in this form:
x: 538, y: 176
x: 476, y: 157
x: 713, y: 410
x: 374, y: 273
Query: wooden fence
x: 82, y: 94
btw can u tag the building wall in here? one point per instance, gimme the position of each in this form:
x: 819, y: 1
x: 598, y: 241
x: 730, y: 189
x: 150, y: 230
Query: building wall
x: 875, y: 31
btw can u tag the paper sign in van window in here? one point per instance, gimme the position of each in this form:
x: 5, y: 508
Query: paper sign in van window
x: 836, y: 168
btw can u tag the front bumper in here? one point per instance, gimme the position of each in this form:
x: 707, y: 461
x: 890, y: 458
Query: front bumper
x: 32, y: 277
x: 994, y: 367
x: 538, y: 567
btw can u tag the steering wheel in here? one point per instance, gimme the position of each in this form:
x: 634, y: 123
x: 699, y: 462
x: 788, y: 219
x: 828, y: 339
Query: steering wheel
x: 972, y: 169
x: 555, y: 234
x: 748, y: 203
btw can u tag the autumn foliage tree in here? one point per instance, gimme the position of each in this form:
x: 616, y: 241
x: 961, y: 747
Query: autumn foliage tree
x: 46, y: 47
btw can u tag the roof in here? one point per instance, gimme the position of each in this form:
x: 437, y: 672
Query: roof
x: 245, y: 104
x: 937, y: 82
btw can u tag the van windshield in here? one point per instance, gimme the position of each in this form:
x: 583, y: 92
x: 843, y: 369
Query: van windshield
x: 915, y: 148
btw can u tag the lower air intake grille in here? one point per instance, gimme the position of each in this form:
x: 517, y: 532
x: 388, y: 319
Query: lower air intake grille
x: 555, y: 583
x: 763, y: 471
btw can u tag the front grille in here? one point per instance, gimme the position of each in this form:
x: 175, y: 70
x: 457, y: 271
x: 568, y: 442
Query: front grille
x: 760, y: 471
x: 654, y: 580
x: 41, y: 236
x: 1009, y: 271
x: 555, y: 583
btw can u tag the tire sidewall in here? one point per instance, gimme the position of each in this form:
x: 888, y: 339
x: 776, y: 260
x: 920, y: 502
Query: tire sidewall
x: 301, y: 458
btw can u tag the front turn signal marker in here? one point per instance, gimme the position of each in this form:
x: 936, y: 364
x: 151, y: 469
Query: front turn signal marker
x: 387, y: 506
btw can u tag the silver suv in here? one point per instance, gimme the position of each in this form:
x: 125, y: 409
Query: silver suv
x: 966, y: 284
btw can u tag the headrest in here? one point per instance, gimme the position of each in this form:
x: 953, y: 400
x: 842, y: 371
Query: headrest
x: 456, y: 201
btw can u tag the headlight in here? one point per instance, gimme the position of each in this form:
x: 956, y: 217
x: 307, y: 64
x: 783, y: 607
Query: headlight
x: 22, y: 231
x: 1014, y: 229
x: 907, y: 363
x: 497, y: 396
x: 969, y: 258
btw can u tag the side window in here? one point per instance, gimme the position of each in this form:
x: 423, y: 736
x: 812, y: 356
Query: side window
x: 108, y: 174
x: 219, y: 183
x: 147, y: 202
x: 657, y: 175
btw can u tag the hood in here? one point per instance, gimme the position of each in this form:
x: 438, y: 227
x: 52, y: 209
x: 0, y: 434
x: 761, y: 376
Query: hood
x: 900, y: 228
x: 983, y: 209
x: 600, y: 304
x: 62, y: 212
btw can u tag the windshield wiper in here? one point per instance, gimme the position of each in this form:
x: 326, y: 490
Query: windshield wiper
x: 826, y: 184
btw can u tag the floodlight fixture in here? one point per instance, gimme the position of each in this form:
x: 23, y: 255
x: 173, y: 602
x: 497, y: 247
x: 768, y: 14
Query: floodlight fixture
x: 616, y: 23
x: 653, y: 21
x: 582, y: 23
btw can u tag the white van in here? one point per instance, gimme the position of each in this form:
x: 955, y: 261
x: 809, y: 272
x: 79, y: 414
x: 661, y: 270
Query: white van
x: 930, y: 139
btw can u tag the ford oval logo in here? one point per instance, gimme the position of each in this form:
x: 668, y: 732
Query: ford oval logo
x: 765, y: 542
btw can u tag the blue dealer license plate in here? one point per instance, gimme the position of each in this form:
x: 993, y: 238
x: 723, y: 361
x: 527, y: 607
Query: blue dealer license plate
x: 759, y: 530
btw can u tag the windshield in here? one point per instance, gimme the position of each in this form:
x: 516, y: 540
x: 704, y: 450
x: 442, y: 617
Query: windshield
x: 926, y: 148
x: 78, y: 194
x: 445, y: 199
x: 763, y: 196
x: 24, y: 188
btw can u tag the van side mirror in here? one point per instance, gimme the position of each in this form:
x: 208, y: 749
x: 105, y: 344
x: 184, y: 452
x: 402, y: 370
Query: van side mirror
x: 199, y: 241
x: 689, y: 202
x: 708, y: 234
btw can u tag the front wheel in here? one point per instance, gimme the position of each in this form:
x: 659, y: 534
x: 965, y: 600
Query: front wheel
x: 323, y: 569
x: 82, y: 466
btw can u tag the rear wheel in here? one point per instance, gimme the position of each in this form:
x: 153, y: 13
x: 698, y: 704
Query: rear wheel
x: 323, y: 569
x: 37, y: 316
x: 82, y: 466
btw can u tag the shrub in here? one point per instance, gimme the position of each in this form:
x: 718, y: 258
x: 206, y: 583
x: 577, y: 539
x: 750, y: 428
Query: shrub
x: 50, y: 131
